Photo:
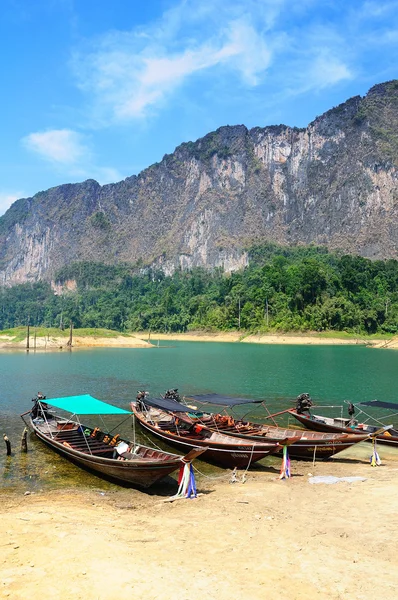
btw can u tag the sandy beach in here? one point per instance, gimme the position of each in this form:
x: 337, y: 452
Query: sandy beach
x: 148, y: 340
x: 258, y: 539
x: 79, y: 341
x: 280, y: 338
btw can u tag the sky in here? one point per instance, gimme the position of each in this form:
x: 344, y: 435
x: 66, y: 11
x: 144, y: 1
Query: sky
x: 101, y: 89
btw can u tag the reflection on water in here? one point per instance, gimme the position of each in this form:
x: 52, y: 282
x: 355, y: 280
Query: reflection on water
x: 331, y: 374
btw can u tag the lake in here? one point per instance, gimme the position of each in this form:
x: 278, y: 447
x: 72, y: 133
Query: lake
x: 330, y: 374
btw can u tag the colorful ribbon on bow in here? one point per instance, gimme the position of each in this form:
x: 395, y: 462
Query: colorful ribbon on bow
x: 186, y: 483
x: 285, y: 468
x: 375, y: 458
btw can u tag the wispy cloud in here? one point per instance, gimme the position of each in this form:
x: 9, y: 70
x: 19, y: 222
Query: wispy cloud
x: 104, y: 174
x: 7, y: 198
x: 293, y: 47
x: 61, y: 146
x: 379, y: 9
x: 130, y: 73
x: 325, y: 70
x: 70, y: 152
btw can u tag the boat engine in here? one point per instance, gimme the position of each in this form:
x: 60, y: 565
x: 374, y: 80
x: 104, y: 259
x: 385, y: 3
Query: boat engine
x: 140, y: 399
x: 173, y: 395
x: 303, y: 403
x: 39, y: 408
x: 351, y: 409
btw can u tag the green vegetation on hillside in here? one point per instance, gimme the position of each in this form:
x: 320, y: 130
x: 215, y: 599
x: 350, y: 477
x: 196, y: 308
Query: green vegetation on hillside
x: 283, y: 289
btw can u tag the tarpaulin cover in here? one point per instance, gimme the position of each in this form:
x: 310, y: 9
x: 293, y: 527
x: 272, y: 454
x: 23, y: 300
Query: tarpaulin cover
x: 85, y: 405
x: 168, y: 404
x: 222, y: 400
x: 380, y: 404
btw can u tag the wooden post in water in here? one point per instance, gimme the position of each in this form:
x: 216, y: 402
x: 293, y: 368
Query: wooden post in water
x: 34, y: 340
x: 27, y: 339
x: 69, y: 344
x: 24, y: 441
x: 8, y: 444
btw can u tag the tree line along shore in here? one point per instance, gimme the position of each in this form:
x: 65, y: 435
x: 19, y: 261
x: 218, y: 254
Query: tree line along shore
x: 283, y: 290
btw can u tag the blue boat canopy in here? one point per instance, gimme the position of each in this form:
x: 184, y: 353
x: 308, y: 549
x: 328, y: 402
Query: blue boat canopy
x: 85, y: 405
x: 168, y: 404
x: 219, y: 400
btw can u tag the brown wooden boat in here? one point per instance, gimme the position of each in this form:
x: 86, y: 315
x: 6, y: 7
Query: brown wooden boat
x: 343, y: 425
x: 222, y: 450
x: 307, y: 444
x: 105, y: 454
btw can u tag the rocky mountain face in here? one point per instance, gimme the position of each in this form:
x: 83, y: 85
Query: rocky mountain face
x: 333, y: 183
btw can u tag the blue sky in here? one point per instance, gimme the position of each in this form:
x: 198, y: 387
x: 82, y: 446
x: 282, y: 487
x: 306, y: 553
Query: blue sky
x: 102, y: 89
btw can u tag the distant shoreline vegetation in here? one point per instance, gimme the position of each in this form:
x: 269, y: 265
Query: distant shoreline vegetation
x: 282, y: 290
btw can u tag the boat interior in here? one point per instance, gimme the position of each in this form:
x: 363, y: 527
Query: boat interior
x: 94, y: 441
x: 341, y: 422
x: 229, y: 425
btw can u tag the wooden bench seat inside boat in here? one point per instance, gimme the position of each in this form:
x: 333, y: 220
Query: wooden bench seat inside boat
x: 78, y: 441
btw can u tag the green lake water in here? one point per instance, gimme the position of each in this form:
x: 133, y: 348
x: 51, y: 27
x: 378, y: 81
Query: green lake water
x: 277, y: 374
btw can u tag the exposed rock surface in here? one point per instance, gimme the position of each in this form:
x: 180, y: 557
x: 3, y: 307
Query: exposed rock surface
x: 333, y: 183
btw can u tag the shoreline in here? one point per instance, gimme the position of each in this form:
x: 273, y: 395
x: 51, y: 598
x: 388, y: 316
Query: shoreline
x: 272, y: 338
x: 305, y: 339
x: 150, y: 340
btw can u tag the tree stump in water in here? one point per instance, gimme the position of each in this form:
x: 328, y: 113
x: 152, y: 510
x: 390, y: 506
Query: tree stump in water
x: 8, y: 444
x: 24, y: 441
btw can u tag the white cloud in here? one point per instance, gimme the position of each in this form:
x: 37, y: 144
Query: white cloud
x: 105, y: 175
x: 6, y: 199
x: 131, y: 75
x: 61, y: 146
x: 128, y: 74
x: 379, y: 9
x: 68, y: 151
x: 327, y: 70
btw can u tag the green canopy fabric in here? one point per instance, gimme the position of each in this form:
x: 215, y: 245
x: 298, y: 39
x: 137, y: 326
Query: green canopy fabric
x: 85, y: 405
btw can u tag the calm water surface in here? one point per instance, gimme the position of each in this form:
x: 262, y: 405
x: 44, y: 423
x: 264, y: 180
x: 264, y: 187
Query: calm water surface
x: 331, y: 374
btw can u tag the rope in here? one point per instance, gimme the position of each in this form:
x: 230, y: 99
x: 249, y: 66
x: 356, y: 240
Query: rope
x: 154, y: 444
x: 194, y: 466
x: 250, y: 459
x: 209, y: 476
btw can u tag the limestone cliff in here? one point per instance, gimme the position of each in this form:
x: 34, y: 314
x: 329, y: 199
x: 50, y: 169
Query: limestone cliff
x: 333, y: 183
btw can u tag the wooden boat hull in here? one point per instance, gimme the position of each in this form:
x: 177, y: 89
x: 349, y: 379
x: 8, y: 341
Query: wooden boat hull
x: 304, y: 449
x: 307, y: 445
x: 318, y: 423
x: 141, y: 472
x: 227, y: 453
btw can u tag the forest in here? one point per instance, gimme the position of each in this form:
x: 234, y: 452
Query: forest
x: 283, y: 289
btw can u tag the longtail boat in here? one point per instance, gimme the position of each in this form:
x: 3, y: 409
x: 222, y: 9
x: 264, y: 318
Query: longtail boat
x: 106, y: 454
x: 307, y: 444
x: 182, y: 433
x: 318, y: 422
